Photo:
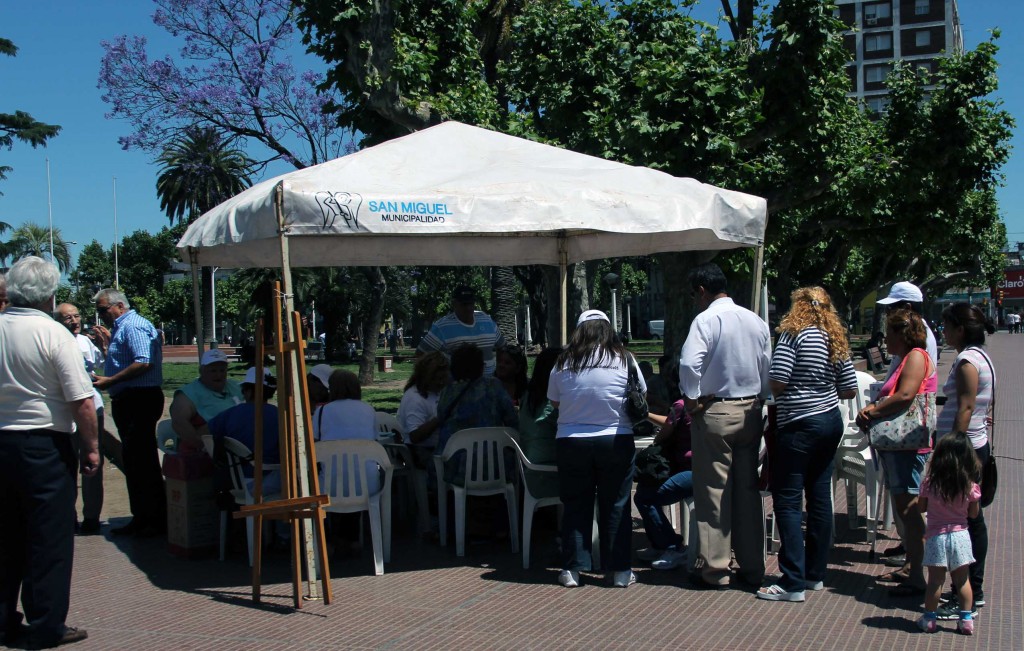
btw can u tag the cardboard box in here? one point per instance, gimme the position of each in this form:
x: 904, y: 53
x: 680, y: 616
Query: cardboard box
x: 193, y: 520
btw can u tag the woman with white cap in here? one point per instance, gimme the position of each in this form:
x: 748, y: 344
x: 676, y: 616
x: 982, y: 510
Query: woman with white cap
x: 594, y: 447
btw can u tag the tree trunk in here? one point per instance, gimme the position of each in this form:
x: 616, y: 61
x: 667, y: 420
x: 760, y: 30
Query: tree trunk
x: 503, y: 301
x: 371, y: 323
x: 679, y: 307
x: 207, y: 297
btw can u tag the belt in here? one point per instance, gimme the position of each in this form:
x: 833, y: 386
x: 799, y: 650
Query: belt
x: 717, y: 399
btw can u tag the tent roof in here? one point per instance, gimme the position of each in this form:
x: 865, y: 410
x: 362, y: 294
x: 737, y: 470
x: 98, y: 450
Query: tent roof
x: 456, y: 194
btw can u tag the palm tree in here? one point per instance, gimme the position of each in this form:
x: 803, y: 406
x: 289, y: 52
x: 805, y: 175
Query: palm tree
x: 197, y: 173
x: 34, y: 239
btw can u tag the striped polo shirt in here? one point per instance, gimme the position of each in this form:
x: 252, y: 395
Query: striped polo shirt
x: 448, y: 333
x: 134, y: 339
x: 812, y: 382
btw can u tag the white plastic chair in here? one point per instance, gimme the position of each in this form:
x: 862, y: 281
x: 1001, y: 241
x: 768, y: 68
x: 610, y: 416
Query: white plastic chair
x: 346, y: 482
x: 239, y: 456
x: 386, y: 425
x: 484, y: 448
x: 855, y: 464
x: 166, y: 437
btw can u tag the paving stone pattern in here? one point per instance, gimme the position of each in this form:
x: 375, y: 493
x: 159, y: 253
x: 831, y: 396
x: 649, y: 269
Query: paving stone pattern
x: 134, y: 595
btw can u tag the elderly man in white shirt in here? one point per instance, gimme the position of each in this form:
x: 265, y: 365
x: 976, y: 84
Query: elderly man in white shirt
x: 723, y: 377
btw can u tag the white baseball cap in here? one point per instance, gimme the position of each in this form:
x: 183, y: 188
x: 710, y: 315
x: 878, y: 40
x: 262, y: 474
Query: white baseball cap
x: 593, y: 315
x: 213, y: 356
x: 250, y: 376
x: 901, y: 292
x: 322, y: 372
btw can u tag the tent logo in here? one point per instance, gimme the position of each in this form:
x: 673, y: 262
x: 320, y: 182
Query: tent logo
x: 339, y: 204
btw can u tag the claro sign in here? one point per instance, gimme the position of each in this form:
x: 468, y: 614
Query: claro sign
x: 1013, y: 284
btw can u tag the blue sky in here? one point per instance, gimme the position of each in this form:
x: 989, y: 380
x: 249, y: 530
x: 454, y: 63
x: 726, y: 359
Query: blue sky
x: 54, y: 78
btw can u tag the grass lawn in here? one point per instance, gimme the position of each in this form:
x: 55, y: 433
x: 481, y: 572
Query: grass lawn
x: 384, y: 394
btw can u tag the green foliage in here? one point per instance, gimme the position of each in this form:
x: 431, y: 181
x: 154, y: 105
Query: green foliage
x: 34, y: 239
x: 853, y: 201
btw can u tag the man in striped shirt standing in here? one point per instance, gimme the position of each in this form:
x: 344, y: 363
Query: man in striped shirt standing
x: 465, y: 325
x: 133, y: 375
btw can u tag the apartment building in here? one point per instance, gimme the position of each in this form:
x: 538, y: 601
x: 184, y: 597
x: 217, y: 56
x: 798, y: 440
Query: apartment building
x: 881, y: 32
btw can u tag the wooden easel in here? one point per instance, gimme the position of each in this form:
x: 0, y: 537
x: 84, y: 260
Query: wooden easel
x: 293, y: 403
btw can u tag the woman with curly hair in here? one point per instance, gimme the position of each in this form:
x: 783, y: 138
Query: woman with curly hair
x: 810, y: 373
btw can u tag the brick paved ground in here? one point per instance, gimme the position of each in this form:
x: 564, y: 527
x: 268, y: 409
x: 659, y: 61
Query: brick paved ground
x: 133, y: 595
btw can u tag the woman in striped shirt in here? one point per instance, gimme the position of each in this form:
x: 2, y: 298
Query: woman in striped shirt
x: 810, y: 372
x: 969, y: 391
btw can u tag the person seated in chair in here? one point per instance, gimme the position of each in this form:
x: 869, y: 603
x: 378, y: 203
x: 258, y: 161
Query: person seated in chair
x: 667, y: 550
x: 239, y: 423
x: 197, y: 402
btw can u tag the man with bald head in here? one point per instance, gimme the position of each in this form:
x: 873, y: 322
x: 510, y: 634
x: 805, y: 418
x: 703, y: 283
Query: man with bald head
x: 92, y: 486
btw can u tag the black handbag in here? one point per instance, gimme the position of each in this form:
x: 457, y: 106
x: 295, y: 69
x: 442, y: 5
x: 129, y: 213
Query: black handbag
x: 652, y: 467
x: 989, y: 472
x: 636, y: 402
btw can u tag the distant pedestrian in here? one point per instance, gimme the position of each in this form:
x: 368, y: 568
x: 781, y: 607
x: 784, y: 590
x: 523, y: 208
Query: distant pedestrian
x: 3, y: 292
x: 133, y: 377
x: 44, y: 394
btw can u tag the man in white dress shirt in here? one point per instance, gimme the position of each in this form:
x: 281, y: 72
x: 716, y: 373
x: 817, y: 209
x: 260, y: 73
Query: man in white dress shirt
x: 723, y: 377
x: 92, y: 487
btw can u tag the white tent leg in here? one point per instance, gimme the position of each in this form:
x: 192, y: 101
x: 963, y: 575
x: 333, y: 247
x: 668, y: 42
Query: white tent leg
x: 193, y: 255
x: 755, y: 299
x: 563, y: 289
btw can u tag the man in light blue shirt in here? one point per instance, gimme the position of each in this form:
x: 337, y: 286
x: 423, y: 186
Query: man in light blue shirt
x: 133, y: 375
x: 723, y: 377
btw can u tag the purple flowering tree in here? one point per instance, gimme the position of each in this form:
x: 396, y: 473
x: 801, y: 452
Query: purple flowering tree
x: 234, y: 71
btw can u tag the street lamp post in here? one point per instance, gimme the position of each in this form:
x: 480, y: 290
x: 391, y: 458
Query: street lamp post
x: 612, y: 280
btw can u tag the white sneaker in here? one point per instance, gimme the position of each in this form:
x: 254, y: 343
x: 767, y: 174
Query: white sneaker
x: 814, y: 586
x: 569, y: 578
x: 776, y: 593
x: 648, y: 554
x: 670, y: 559
x: 624, y: 579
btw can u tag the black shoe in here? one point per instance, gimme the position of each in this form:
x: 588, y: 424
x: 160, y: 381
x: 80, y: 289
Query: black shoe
x: 89, y: 527
x: 898, y: 550
x: 126, y: 530
x: 71, y: 635
x: 951, y: 611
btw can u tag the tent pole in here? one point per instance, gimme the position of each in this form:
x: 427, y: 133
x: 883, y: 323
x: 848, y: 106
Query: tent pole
x: 193, y: 258
x: 755, y: 299
x: 288, y: 302
x: 563, y: 289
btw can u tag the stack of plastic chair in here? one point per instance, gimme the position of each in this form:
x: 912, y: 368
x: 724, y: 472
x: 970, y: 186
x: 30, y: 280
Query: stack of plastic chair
x: 484, y: 449
x: 351, y: 479
x: 855, y: 464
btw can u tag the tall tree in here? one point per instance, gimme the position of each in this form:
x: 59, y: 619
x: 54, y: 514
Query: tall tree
x: 197, y: 173
x: 20, y: 125
x: 34, y: 239
x: 642, y: 82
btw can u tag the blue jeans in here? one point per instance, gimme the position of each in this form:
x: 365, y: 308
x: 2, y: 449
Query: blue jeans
x: 601, y: 465
x: 802, y: 464
x: 649, y: 501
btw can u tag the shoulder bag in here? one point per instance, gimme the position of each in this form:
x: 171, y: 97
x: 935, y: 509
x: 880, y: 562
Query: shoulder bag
x: 910, y: 429
x: 989, y: 472
x: 636, y: 401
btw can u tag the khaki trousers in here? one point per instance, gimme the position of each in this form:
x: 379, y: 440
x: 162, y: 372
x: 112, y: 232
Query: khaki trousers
x: 727, y: 503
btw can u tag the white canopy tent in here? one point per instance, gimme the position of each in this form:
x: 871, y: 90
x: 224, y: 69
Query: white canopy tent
x: 460, y: 195
x: 456, y: 195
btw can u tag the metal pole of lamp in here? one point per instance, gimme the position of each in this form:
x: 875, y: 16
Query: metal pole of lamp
x: 612, y: 280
